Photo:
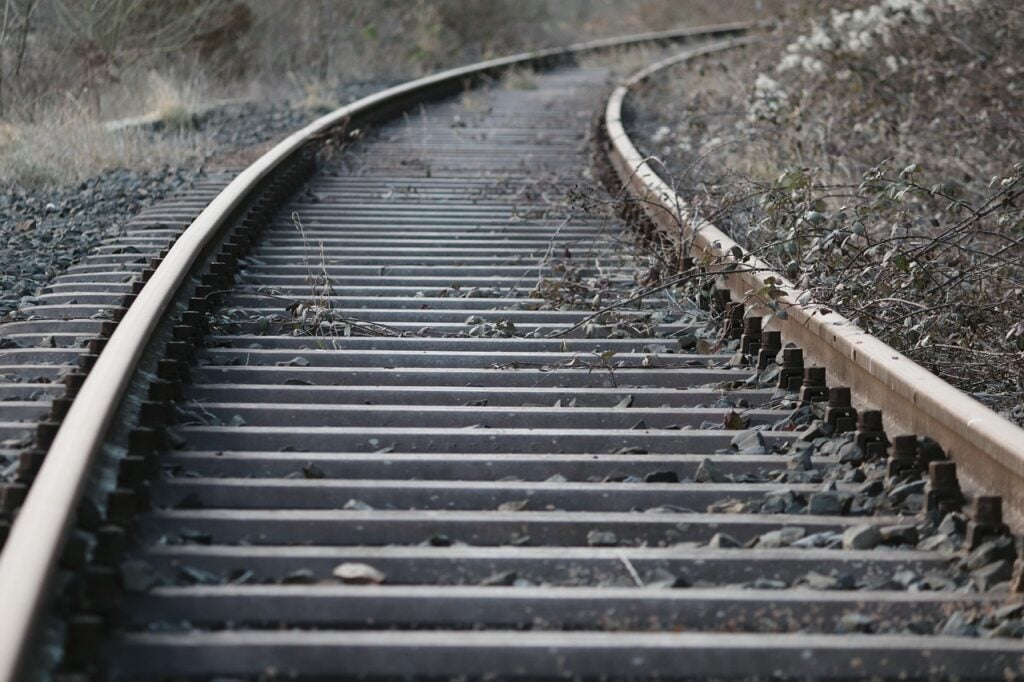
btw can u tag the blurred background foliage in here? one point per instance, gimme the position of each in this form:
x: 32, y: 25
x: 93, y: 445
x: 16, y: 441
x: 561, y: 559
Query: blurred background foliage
x: 101, y: 55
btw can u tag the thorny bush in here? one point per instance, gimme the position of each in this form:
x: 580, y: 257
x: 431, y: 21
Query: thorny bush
x: 874, y: 156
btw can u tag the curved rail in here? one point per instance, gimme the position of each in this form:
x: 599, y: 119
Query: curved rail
x: 988, y: 449
x: 37, y: 537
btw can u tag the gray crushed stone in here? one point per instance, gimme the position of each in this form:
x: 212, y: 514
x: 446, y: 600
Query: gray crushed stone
x: 43, y: 231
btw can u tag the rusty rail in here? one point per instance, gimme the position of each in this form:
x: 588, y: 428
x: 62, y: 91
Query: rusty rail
x: 988, y: 449
x: 37, y: 537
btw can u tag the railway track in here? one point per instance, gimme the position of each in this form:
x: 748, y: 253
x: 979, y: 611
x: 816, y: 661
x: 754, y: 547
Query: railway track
x: 402, y: 417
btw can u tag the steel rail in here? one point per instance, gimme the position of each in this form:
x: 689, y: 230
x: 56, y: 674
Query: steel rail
x: 29, y: 557
x: 988, y: 449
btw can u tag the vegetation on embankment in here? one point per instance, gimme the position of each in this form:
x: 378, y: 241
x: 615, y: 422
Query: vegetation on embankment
x: 67, y: 65
x: 873, y: 152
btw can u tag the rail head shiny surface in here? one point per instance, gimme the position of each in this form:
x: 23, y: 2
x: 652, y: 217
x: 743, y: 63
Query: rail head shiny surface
x: 988, y: 448
x: 29, y: 557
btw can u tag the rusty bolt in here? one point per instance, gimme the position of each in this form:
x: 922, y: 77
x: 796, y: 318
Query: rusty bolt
x: 943, y: 489
x: 100, y: 588
x: 750, y: 341
x: 143, y: 439
x: 164, y: 391
x: 903, y: 458
x: 986, y: 520
x: 791, y: 371
x: 814, y: 377
x: 45, y: 433
x: 59, y: 408
x: 29, y: 463
x: 869, y: 420
x: 83, y: 637
x: 197, y: 304
x: 180, y: 350
x: 875, y: 450
x: 771, y: 344
x: 223, y: 267
x: 73, y: 382
x: 840, y: 414
x: 156, y: 413
x: 12, y: 495
x: 839, y: 396
x: 172, y: 370
x: 133, y: 470
x: 213, y: 281
x: 193, y: 319
x: 814, y: 389
x: 186, y: 333
x: 793, y: 357
x: 111, y: 544
x: 122, y: 505
x: 870, y: 431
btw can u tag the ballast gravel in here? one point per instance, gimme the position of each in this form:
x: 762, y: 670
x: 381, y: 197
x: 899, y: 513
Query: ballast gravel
x: 43, y: 231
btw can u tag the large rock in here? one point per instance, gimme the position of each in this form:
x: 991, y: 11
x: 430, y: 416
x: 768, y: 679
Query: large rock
x: 861, y: 537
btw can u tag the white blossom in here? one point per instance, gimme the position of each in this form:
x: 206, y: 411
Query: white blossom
x: 789, y: 61
x: 769, y: 98
x: 661, y: 134
x: 860, y: 31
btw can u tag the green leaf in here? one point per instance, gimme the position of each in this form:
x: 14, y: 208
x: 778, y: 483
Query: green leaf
x: 793, y: 179
x: 733, y: 421
x: 814, y: 217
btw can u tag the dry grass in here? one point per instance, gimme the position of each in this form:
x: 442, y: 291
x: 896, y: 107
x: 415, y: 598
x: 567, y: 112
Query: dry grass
x: 173, y: 100
x: 312, y: 93
x: 71, y: 148
x: 64, y: 66
x: 70, y: 142
x: 519, y: 79
x: 624, y: 62
x: 475, y: 101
